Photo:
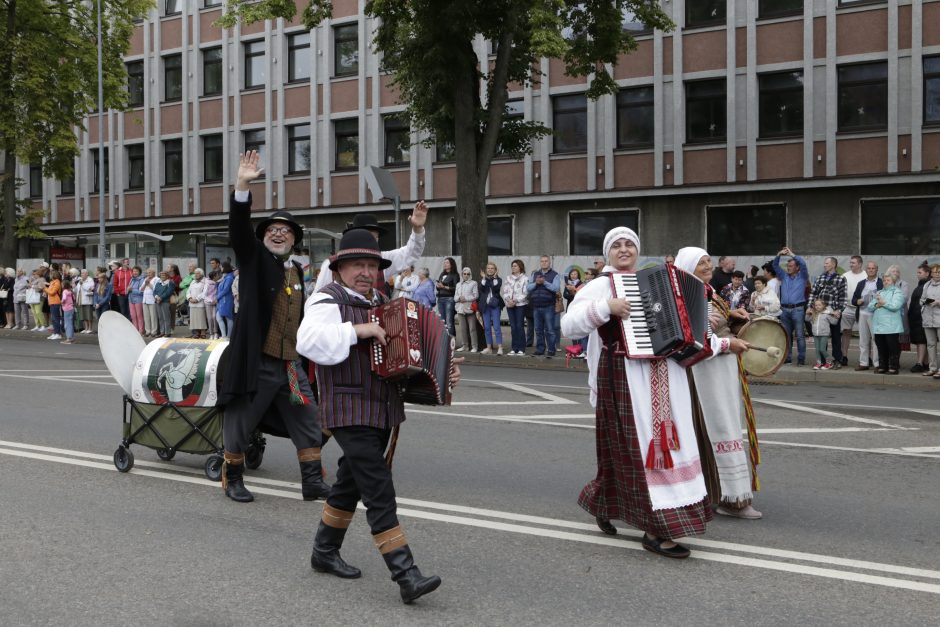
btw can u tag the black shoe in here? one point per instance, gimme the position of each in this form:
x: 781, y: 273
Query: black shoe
x: 412, y: 583
x: 801, y: 362
x: 234, y: 484
x: 550, y: 355
x: 655, y: 545
x: 312, y: 486
x: 845, y: 361
x: 918, y: 368
x: 325, y: 557
x: 604, y: 525
x: 537, y: 354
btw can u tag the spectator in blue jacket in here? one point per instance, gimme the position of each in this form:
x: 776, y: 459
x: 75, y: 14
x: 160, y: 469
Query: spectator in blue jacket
x: 793, y: 282
x: 490, y: 305
x: 543, y: 289
x: 102, y: 295
x: 225, y: 301
x: 425, y: 292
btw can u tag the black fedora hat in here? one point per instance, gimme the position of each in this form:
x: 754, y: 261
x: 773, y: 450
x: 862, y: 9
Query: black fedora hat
x: 286, y: 218
x: 366, y: 221
x: 358, y: 244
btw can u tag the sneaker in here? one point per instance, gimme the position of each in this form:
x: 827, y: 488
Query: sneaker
x: 801, y: 363
x: 817, y: 366
x: 499, y: 351
x: 473, y: 350
x: 835, y: 365
x: 460, y: 350
x: 486, y: 351
x: 827, y: 366
x: 54, y: 336
x: 66, y: 342
x: 538, y: 354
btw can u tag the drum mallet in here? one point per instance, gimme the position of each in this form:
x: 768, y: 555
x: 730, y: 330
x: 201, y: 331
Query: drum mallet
x: 772, y: 351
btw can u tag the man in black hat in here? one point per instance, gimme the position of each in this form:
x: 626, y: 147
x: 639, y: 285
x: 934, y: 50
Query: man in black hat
x: 261, y: 378
x: 398, y: 259
x: 360, y: 409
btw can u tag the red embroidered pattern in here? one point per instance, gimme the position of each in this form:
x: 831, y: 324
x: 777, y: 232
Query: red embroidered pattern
x: 676, y: 474
x: 728, y: 446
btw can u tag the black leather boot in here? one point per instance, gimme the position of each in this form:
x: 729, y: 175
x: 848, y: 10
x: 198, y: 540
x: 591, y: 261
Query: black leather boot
x: 412, y: 583
x: 311, y: 477
x: 326, y: 558
x: 234, y: 469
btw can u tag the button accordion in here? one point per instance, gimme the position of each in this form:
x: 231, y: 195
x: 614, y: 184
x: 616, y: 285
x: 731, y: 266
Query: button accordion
x: 418, y: 354
x: 668, y: 314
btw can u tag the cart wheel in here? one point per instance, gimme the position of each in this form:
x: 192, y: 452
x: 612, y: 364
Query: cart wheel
x: 214, y: 467
x: 253, y: 456
x: 166, y: 454
x: 123, y: 459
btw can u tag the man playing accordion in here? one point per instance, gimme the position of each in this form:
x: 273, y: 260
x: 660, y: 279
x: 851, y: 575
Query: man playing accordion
x: 360, y: 409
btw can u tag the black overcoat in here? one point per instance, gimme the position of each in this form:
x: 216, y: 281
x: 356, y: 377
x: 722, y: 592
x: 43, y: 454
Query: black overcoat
x: 260, y: 276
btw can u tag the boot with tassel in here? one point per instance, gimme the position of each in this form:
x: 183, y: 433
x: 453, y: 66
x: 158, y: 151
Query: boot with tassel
x: 329, y: 539
x: 311, y: 475
x: 394, y: 548
x: 232, y: 482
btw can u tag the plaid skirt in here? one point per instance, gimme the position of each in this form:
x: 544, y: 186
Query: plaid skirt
x: 620, y: 492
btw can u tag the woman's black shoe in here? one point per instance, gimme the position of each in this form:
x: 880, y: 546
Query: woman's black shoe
x: 604, y: 525
x: 655, y: 545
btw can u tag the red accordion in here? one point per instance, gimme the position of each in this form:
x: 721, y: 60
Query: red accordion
x: 419, y: 352
x: 668, y: 314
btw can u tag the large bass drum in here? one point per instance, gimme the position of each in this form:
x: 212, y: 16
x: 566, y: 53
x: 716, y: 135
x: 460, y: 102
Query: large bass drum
x: 764, y: 333
x: 184, y: 372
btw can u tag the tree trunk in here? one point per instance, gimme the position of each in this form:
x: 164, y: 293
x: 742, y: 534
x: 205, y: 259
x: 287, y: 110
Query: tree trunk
x: 470, y: 212
x: 8, y: 226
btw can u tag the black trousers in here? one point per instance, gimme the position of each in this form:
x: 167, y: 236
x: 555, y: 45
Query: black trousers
x: 271, y: 405
x: 362, y: 474
x: 889, y: 350
x: 835, y: 331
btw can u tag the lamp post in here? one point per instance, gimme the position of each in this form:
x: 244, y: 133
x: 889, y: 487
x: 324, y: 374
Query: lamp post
x: 101, y: 236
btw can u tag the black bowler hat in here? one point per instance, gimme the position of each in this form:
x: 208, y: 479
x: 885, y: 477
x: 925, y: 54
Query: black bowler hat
x: 286, y: 218
x: 358, y: 244
x: 366, y: 221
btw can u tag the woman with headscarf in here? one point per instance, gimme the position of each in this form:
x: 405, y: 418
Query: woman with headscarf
x: 648, y: 469
x: 721, y: 387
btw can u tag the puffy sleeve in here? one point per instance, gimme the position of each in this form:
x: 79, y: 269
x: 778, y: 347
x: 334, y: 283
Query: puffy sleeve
x: 323, y: 337
x: 588, y: 311
x: 405, y: 256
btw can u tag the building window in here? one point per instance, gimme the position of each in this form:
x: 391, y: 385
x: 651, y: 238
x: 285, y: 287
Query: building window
x: 745, y: 229
x: 779, y: 8
x: 67, y: 186
x: 173, y: 162
x: 135, y: 83
x: 780, y: 112
x: 298, y: 57
x: 633, y: 25
x: 587, y: 229
x: 171, y: 7
x: 35, y: 180
x: 513, y: 113
x: 254, y: 140
x: 212, y: 158
x: 863, y: 97
x: 446, y: 151
x: 107, y: 170
x: 172, y: 78
x: 705, y: 111
x: 705, y: 12
x: 569, y: 122
x: 212, y: 71
x: 498, y: 237
x: 346, y: 50
x: 397, y: 140
x: 901, y: 226
x: 932, y: 90
x: 635, y: 122
x: 254, y: 64
x: 135, y: 166
x: 347, y: 143
x: 212, y: 3
x: 298, y: 148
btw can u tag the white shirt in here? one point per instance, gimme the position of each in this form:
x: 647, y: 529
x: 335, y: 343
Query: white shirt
x: 405, y: 286
x: 774, y: 284
x: 401, y: 258
x: 197, y: 291
x: 323, y: 337
x: 852, y: 279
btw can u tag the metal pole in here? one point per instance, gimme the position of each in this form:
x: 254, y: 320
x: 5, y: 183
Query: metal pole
x: 396, y: 204
x: 101, y: 203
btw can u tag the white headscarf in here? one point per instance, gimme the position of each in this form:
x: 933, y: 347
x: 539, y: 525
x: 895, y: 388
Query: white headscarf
x: 687, y: 258
x: 617, y: 233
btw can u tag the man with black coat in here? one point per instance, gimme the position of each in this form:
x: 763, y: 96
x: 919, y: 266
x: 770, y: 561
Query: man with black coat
x: 262, y: 380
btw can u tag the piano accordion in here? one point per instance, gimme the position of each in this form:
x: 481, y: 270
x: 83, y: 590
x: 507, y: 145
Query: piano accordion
x: 668, y: 314
x: 418, y: 354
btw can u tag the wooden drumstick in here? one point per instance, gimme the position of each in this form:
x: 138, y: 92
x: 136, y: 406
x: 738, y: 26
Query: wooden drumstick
x: 773, y: 351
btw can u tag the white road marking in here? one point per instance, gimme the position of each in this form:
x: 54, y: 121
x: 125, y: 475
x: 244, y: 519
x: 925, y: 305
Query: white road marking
x: 767, y: 564
x: 850, y: 449
x: 912, y: 449
x: 546, y: 398
x: 823, y: 412
x: 56, y: 378
x: 48, y: 371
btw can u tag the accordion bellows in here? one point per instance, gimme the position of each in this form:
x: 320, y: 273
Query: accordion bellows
x: 419, y: 352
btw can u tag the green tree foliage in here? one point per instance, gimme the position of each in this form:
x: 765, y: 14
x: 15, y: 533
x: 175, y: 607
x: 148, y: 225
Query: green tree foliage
x: 49, y: 83
x: 428, y: 47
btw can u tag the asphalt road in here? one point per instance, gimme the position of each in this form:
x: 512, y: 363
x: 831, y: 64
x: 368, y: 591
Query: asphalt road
x: 487, y: 495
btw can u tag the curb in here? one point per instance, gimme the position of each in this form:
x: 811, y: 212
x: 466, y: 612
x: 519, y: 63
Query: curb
x: 787, y: 375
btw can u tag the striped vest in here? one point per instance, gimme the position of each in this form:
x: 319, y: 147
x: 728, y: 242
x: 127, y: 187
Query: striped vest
x: 350, y: 394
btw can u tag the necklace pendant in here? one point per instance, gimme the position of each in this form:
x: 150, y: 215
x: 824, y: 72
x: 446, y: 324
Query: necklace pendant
x: 288, y: 290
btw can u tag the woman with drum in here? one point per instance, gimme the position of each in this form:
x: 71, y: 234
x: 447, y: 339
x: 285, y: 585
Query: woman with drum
x: 724, y: 399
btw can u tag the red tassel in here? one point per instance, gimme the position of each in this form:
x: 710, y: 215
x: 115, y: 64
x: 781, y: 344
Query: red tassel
x: 671, y: 435
x: 651, y: 455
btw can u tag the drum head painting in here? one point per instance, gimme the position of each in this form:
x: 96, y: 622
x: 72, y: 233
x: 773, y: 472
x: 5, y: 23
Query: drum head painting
x: 179, y: 371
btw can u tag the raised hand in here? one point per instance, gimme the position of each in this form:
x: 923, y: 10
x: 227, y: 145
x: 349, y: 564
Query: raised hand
x: 249, y: 169
x: 418, y: 216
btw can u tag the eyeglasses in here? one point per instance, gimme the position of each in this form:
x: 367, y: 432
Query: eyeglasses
x: 466, y: 273
x: 278, y: 230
